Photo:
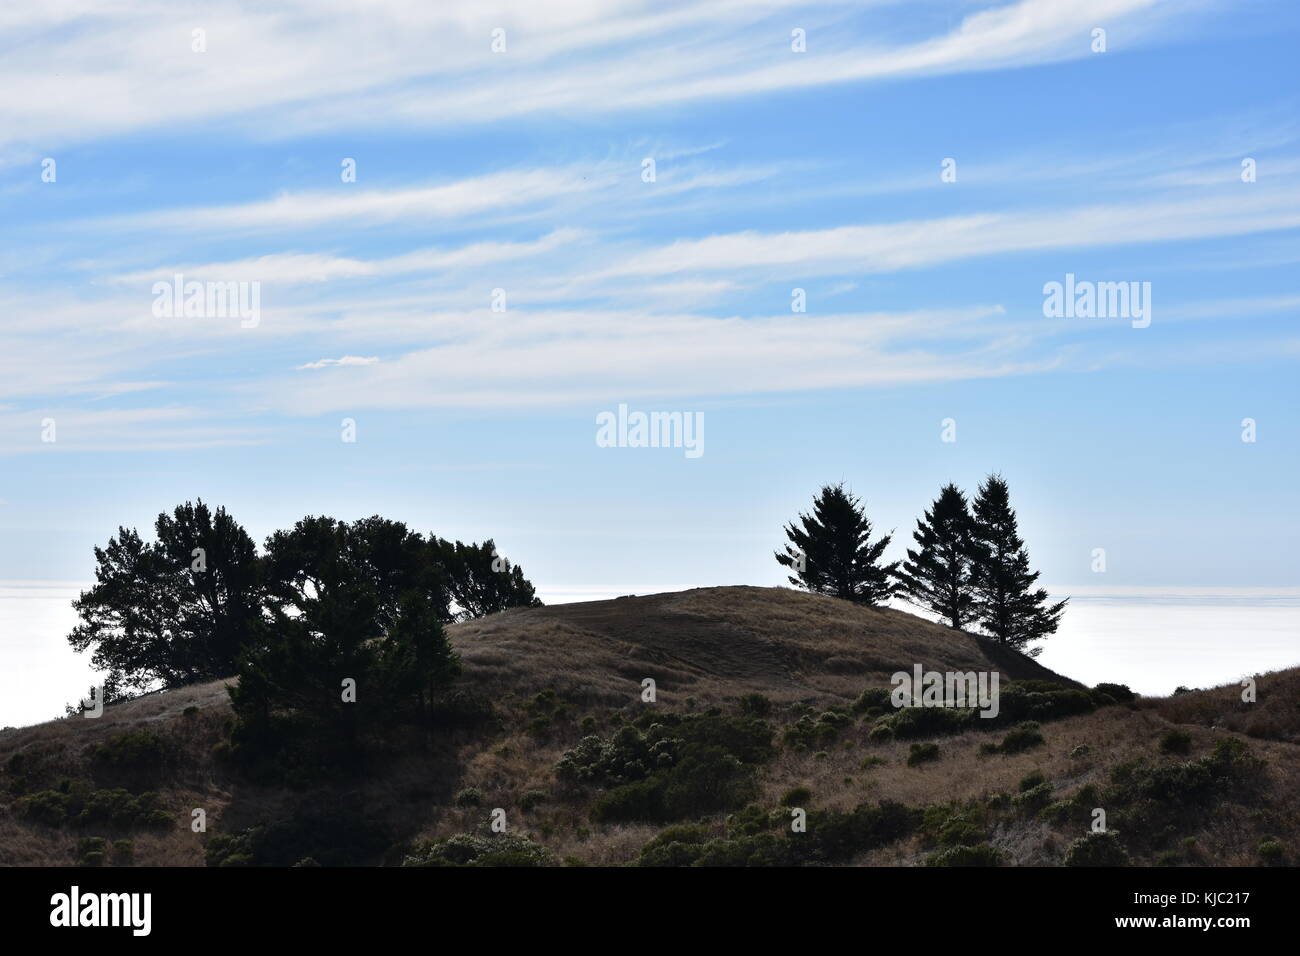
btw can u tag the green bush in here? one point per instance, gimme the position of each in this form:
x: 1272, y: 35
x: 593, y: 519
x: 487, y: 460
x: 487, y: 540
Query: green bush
x: 469, y: 797
x: 808, y: 732
x: 1271, y: 851
x: 1034, y: 799
x: 1119, y: 693
x: 531, y: 800
x: 922, y: 753
x: 1031, y: 780
x: 1022, y: 738
x: 1096, y: 849
x: 668, y: 767
x: 123, y: 852
x: 755, y: 705
x: 796, y: 797
x: 979, y: 855
x: 465, y: 849
x: 872, y: 697
x: 1176, y: 742
x: 91, y: 851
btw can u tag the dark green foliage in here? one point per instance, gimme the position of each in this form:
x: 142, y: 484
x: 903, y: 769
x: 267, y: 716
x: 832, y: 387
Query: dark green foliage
x: 135, y: 759
x: 937, y: 575
x: 469, y: 797
x: 1034, y: 799
x: 466, y: 849
x: 755, y: 838
x: 479, y: 581
x: 531, y: 800
x: 922, y: 753
x: 1271, y: 851
x: 355, y: 602
x: 1077, y: 809
x: 953, y: 824
x: 1119, y: 693
x: 679, y: 766
x: 808, y: 732
x: 160, y: 615
x: 1096, y: 849
x: 1007, y: 605
x: 123, y: 852
x: 334, y: 831
x: 79, y: 805
x: 1176, y: 742
x: 796, y: 797
x: 831, y: 551
x: 1022, y: 738
x: 872, y: 697
x: 1031, y: 780
x: 91, y: 851
x: 755, y: 705
x: 981, y: 854
x: 910, y: 723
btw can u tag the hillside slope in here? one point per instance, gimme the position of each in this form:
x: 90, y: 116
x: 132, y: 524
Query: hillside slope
x: 759, y: 705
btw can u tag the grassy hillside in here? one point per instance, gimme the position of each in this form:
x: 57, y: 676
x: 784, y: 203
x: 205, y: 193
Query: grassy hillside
x: 760, y: 708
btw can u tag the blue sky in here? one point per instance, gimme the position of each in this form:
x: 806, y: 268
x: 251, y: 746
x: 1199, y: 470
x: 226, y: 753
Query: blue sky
x: 522, y: 170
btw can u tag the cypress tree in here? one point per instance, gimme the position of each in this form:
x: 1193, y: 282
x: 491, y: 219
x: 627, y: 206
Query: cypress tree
x: 937, y: 575
x: 831, y: 551
x: 1006, y: 602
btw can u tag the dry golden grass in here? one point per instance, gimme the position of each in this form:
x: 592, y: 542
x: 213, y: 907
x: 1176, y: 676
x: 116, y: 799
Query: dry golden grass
x: 703, y: 648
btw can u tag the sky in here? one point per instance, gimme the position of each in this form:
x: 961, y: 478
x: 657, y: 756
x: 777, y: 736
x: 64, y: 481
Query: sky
x: 473, y: 227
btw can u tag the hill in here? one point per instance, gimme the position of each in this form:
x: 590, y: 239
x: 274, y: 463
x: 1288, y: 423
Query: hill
x: 760, y: 711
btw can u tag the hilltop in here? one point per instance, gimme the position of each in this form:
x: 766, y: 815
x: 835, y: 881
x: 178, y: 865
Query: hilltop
x: 760, y: 708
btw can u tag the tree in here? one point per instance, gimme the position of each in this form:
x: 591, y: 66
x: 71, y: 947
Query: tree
x: 479, y: 580
x: 175, y: 611
x: 357, y: 603
x: 1006, y: 604
x: 831, y: 551
x: 937, y: 575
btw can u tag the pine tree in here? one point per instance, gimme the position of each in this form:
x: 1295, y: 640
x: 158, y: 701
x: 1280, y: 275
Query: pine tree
x: 1006, y: 603
x: 831, y: 552
x: 937, y: 575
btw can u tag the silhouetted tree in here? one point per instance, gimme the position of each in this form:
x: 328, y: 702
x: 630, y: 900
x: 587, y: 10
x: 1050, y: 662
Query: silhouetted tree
x: 831, y: 551
x: 1006, y: 604
x: 174, y: 611
x: 479, y: 581
x: 937, y: 575
x: 359, y: 603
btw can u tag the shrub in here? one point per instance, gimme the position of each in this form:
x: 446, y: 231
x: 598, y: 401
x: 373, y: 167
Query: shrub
x: 91, y: 851
x: 1022, y: 738
x: 675, y: 846
x: 1176, y: 742
x: 679, y: 766
x: 1080, y: 751
x: 1119, y: 693
x: 922, y: 753
x: 872, y: 697
x: 469, y: 797
x: 465, y: 849
x: 1034, y: 799
x: 796, y: 797
x: 979, y: 855
x: 1096, y: 849
x: 123, y: 852
x: 1031, y: 780
x: 808, y: 732
x: 1271, y: 850
x: 755, y: 705
x: 531, y: 800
